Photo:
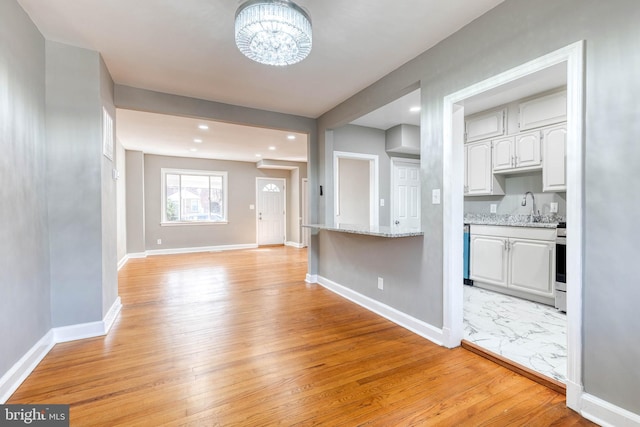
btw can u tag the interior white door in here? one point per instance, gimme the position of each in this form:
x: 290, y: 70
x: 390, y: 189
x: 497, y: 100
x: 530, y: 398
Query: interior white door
x: 406, y: 194
x: 271, y: 211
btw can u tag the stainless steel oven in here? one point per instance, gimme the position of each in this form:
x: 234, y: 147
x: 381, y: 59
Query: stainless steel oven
x: 561, y: 267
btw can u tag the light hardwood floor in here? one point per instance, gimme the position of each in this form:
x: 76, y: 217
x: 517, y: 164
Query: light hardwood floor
x: 239, y: 339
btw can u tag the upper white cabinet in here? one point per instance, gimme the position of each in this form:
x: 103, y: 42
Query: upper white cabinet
x: 485, y: 125
x: 528, y: 150
x: 554, y: 152
x: 543, y: 111
x: 517, y: 153
x: 479, y: 179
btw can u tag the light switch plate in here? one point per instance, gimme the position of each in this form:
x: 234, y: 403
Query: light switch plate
x: 553, y: 207
x: 435, y: 196
x: 381, y: 202
x: 494, y: 208
x: 252, y: 207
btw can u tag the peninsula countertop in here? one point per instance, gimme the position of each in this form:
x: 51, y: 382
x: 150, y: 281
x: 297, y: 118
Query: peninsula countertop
x: 368, y: 230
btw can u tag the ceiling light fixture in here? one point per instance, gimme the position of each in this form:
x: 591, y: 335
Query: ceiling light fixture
x: 272, y: 148
x: 203, y: 127
x: 197, y: 141
x: 291, y: 137
x: 273, y: 32
x: 414, y: 109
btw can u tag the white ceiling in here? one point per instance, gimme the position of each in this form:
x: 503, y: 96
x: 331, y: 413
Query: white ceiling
x: 180, y: 136
x: 187, y: 47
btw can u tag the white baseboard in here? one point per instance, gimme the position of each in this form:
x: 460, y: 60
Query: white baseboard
x: 294, y: 245
x: 112, y: 315
x: 19, y: 372
x: 88, y: 330
x: 311, y: 278
x: 201, y: 249
x: 127, y: 257
x: 417, y: 326
x: 606, y: 414
x: 15, y: 376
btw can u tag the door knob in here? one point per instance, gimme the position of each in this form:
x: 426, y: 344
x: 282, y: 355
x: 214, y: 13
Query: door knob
x: 397, y: 222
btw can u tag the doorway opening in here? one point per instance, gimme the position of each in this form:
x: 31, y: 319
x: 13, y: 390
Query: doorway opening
x: 356, y: 188
x: 453, y: 186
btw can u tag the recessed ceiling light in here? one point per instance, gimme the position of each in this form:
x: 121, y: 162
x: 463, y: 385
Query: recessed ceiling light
x: 203, y: 127
x: 272, y: 148
x: 193, y: 150
x: 197, y: 141
x: 291, y: 137
x: 414, y: 109
x: 258, y: 155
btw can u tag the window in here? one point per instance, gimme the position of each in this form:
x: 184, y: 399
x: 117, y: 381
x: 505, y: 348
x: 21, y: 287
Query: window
x: 190, y: 196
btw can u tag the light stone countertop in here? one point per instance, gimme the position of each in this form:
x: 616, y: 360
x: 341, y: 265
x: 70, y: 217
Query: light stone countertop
x: 379, y: 231
x: 542, y: 221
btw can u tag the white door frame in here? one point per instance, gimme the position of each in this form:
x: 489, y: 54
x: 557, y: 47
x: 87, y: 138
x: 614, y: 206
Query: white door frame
x: 392, y: 196
x: 453, y: 176
x: 284, y: 207
x: 373, y: 184
x: 306, y: 232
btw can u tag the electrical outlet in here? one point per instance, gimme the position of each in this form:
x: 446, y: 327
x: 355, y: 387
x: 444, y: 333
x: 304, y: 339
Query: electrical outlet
x: 494, y: 208
x: 380, y: 283
x: 553, y: 207
x: 159, y: 241
x: 381, y: 202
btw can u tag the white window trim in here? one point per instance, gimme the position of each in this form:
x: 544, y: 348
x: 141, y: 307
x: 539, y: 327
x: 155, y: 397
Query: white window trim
x: 163, y: 198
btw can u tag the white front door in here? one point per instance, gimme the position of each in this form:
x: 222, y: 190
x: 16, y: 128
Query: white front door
x: 271, y: 211
x: 406, y: 193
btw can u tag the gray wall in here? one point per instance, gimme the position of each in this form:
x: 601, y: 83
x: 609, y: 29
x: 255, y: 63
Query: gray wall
x: 121, y: 196
x: 513, y: 33
x: 25, y: 314
x: 108, y: 191
x: 74, y: 178
x: 241, y: 228
x: 134, y: 171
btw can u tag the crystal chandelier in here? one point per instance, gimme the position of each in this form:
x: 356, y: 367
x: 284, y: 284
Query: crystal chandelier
x: 273, y: 32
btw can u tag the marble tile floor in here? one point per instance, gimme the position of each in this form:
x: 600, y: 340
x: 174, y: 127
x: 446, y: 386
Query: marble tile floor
x: 531, y: 334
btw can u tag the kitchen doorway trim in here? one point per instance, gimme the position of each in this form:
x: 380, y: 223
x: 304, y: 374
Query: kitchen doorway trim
x: 453, y: 175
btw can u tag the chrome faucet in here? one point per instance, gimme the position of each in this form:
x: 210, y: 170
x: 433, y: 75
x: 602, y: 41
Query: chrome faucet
x: 533, y: 207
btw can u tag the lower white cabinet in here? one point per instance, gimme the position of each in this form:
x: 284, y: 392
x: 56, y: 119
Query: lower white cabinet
x: 518, y: 260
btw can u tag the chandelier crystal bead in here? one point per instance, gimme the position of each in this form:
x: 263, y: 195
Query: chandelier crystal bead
x: 273, y: 32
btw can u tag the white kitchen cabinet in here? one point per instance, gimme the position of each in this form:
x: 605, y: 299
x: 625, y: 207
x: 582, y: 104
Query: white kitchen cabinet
x: 530, y: 266
x: 489, y: 259
x: 554, y: 153
x: 479, y: 179
x: 517, y: 153
x: 485, y: 125
x: 528, y: 150
x: 514, y: 260
x: 504, y: 154
x: 543, y: 111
